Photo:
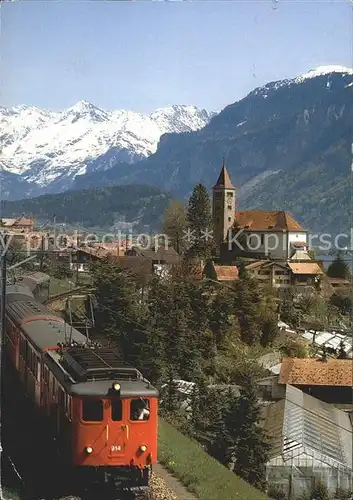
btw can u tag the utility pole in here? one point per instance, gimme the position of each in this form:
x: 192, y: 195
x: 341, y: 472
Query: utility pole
x: 42, y: 255
x: 2, y: 337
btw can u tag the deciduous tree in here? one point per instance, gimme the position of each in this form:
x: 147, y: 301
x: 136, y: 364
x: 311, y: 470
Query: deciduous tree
x: 175, y: 225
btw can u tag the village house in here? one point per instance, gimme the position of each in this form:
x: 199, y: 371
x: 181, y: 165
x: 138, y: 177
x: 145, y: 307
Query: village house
x: 142, y: 263
x: 162, y: 258
x: 328, y: 379
x: 284, y: 276
x: 274, y: 275
x: 17, y: 225
x: 220, y: 273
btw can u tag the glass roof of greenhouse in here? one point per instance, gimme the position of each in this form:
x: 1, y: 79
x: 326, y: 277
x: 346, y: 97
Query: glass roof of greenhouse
x: 301, y: 424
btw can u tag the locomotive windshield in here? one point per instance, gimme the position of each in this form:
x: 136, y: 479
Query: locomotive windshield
x: 92, y: 410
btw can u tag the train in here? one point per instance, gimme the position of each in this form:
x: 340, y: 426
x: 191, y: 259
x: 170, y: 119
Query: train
x: 101, y: 413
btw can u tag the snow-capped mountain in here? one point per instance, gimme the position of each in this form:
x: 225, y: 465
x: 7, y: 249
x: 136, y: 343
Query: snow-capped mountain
x: 50, y: 148
x: 329, y: 71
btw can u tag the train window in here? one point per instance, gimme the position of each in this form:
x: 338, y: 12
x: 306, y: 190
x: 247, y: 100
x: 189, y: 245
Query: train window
x: 139, y: 409
x: 69, y: 410
x: 117, y: 410
x: 46, y: 375
x: 61, y: 398
x: 92, y: 410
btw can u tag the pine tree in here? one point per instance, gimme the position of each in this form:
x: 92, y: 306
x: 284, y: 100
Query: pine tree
x: 220, y: 443
x: 252, y: 447
x: 339, y: 268
x: 221, y: 309
x: 247, y: 302
x: 118, y: 310
x: 200, y: 223
x: 269, y: 331
x: 288, y: 313
x: 199, y: 417
x: 170, y: 401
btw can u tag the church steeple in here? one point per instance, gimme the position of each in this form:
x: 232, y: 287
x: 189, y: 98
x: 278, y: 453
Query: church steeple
x: 224, y: 178
x: 224, y: 194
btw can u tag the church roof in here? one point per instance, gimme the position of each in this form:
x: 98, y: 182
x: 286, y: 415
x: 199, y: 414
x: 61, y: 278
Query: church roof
x: 224, y: 179
x: 266, y: 220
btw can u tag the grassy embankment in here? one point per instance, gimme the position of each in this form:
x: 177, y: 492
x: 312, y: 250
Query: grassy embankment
x: 58, y: 286
x: 11, y: 494
x: 204, y: 476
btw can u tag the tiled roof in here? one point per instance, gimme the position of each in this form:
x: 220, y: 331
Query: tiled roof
x: 266, y: 263
x: 20, y: 221
x: 140, y: 268
x: 266, y: 220
x: 305, y: 268
x: 23, y: 221
x: 309, y: 371
x: 226, y: 273
x: 258, y: 263
x: 8, y: 222
x: 224, y: 179
x: 338, y: 281
x: 112, y: 246
x: 299, y: 244
x: 100, y: 253
x: 169, y: 255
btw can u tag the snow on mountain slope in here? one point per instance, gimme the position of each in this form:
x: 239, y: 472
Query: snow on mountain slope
x: 46, y: 147
x: 320, y: 71
x: 324, y: 70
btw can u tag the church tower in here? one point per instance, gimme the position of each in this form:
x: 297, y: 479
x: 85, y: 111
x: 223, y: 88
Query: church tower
x: 223, y: 206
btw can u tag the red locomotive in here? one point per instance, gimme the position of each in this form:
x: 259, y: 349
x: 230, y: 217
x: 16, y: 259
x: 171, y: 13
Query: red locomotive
x: 101, y: 412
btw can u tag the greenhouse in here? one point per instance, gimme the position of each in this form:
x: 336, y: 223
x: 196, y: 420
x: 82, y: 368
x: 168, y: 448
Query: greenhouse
x: 310, y: 441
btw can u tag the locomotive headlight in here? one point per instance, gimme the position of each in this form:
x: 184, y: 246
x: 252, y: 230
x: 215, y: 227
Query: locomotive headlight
x: 116, y: 386
x: 89, y: 450
x: 143, y: 447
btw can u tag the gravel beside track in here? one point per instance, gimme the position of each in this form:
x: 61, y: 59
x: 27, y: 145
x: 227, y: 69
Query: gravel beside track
x: 160, y: 490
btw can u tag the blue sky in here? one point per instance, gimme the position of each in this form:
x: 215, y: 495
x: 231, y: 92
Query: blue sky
x: 145, y: 55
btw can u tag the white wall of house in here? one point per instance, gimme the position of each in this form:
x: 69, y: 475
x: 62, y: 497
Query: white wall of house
x: 295, y: 238
x: 270, y: 244
x: 275, y: 245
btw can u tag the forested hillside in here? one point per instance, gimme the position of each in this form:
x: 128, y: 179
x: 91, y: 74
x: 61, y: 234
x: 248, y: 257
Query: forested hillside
x: 141, y: 205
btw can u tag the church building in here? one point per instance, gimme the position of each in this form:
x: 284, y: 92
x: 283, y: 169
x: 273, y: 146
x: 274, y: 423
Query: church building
x: 258, y: 234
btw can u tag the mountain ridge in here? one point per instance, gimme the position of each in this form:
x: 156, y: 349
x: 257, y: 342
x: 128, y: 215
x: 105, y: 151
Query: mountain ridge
x: 47, y: 149
x: 287, y: 146
x: 137, y: 207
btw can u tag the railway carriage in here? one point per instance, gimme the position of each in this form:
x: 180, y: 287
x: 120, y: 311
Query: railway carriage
x: 101, y: 412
